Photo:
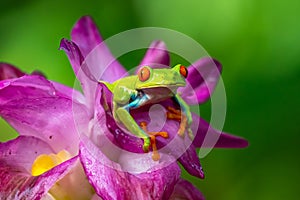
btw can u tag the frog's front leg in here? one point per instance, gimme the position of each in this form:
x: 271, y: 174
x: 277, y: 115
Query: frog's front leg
x: 185, y: 118
x: 185, y: 107
x: 123, y: 115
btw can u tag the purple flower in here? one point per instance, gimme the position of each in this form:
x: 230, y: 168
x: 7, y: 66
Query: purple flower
x: 59, y: 127
x: 45, y: 154
x: 87, y: 42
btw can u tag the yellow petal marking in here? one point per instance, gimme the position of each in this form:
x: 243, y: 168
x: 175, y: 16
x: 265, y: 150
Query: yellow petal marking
x: 45, y: 162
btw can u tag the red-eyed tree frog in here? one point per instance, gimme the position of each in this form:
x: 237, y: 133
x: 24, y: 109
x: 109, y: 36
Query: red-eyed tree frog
x: 149, y: 86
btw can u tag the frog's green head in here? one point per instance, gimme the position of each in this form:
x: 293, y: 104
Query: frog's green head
x: 163, y: 77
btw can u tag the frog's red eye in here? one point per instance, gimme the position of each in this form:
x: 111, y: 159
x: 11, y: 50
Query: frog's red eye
x: 144, y: 74
x: 183, y: 71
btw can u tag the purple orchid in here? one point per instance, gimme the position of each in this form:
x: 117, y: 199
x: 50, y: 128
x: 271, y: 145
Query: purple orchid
x: 59, y: 124
x: 45, y: 154
x: 129, y: 163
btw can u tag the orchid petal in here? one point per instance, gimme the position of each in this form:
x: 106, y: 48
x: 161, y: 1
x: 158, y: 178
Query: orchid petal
x: 83, y: 73
x: 15, y: 184
x: 73, y: 52
x: 208, y: 137
x: 15, y: 181
x: 33, y: 107
x: 69, y: 93
x: 8, y: 71
x: 23, y: 150
x: 190, y: 161
x: 157, y: 56
x: 101, y: 63
x: 110, y: 182
x: 86, y: 35
x: 203, y: 76
x: 186, y: 190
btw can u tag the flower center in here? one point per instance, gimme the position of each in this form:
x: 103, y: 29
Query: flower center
x: 45, y: 162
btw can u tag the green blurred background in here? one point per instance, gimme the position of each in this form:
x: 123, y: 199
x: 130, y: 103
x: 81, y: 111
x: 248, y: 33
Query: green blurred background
x: 258, y: 43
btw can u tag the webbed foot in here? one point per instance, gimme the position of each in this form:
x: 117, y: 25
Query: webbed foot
x: 155, y: 155
x: 177, y: 115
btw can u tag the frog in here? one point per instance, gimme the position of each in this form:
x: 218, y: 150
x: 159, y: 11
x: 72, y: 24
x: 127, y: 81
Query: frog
x: 149, y: 86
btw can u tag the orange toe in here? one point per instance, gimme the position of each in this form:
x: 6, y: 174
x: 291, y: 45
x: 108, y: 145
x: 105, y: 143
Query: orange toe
x: 153, y: 135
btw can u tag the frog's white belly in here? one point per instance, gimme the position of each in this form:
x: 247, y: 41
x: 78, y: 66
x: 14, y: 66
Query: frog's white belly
x: 156, y: 95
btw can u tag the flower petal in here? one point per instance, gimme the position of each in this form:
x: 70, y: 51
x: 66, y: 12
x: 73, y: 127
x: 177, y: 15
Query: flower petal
x: 208, y: 137
x: 86, y: 35
x: 15, y: 184
x: 186, y: 190
x: 8, y: 71
x: 23, y: 150
x: 191, y: 163
x: 69, y: 93
x: 73, y: 53
x: 15, y: 181
x: 73, y: 185
x: 25, y: 87
x: 83, y: 73
x: 157, y: 56
x: 110, y: 182
x: 101, y: 63
x: 203, y: 76
x: 33, y: 107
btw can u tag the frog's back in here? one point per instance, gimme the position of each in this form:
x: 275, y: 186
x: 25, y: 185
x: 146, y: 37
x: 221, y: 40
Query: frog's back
x: 128, y: 81
x: 123, y: 89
